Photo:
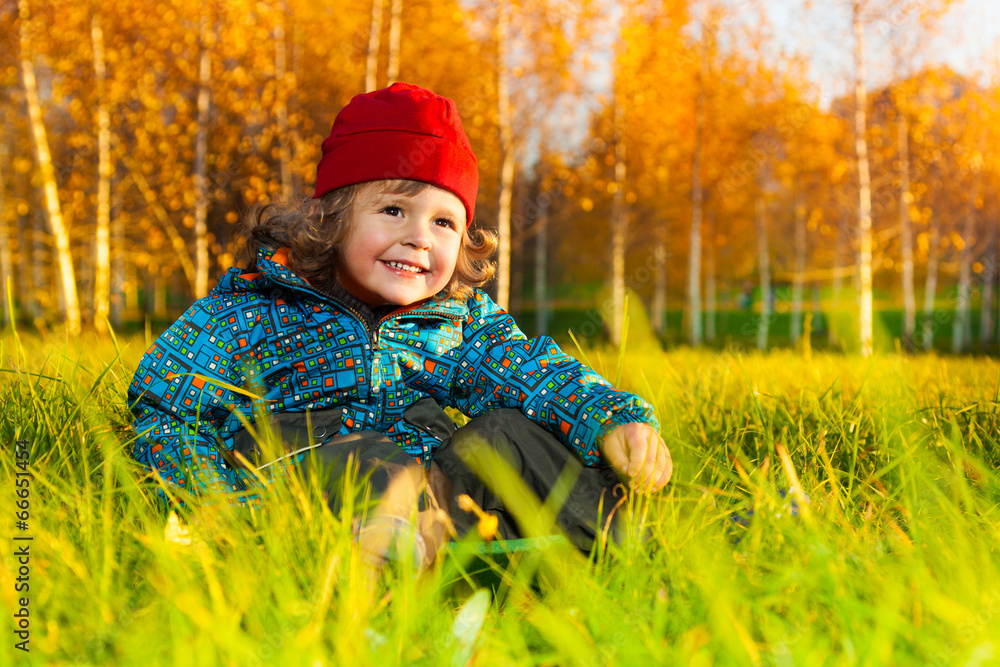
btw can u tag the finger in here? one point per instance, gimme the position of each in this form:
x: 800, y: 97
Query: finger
x: 638, y: 448
x: 652, y: 439
x: 668, y: 471
x: 614, y: 453
x: 661, y: 467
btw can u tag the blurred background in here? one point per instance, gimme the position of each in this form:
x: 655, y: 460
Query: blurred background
x: 740, y: 173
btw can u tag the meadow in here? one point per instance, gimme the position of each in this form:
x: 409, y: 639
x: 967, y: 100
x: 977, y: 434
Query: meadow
x: 825, y: 510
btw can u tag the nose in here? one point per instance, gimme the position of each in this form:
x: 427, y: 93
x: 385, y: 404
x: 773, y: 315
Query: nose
x: 418, y: 235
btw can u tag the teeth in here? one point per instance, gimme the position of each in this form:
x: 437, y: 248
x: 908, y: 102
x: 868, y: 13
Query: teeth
x: 405, y: 267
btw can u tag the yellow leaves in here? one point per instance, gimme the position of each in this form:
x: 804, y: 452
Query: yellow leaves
x: 923, y: 242
x: 22, y: 165
x: 957, y: 241
x: 587, y: 204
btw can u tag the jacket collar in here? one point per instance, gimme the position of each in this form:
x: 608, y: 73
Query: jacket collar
x: 272, y: 265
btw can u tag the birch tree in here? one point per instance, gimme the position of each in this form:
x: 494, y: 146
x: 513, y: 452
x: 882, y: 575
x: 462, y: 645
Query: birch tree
x: 201, y: 157
x: 506, y: 135
x: 374, y: 36
x: 864, y: 183
x: 102, y: 241
x: 395, y: 32
x: 43, y: 157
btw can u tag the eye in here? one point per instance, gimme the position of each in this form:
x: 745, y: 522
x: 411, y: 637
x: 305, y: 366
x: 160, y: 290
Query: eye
x: 394, y: 211
x: 446, y: 222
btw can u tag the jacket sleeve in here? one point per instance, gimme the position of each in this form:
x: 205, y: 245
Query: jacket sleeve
x: 498, y: 367
x: 180, y: 400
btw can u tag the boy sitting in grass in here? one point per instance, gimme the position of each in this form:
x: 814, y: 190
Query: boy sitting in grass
x: 357, y: 317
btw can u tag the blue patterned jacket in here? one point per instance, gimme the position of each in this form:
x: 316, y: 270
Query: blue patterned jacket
x: 269, y: 334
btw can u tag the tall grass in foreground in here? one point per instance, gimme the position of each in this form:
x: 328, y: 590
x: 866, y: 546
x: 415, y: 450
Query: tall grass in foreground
x: 839, y: 511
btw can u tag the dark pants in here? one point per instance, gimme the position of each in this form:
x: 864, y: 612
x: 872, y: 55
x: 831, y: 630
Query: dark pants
x: 533, y: 453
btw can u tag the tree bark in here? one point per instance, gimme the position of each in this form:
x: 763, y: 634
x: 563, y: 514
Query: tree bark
x: 864, y: 189
x: 764, y: 262
x: 102, y: 239
x: 48, y: 176
x: 619, y: 222
x: 930, y: 285
x: 374, y: 35
x: 201, y: 162
x: 906, y: 227
x: 395, y: 31
x: 507, y: 155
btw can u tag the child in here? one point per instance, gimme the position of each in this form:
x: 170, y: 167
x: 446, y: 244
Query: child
x: 358, y: 316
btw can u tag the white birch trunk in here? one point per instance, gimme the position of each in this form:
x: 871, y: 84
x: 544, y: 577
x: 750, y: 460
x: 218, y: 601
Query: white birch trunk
x: 507, y: 156
x: 102, y: 239
x: 961, y: 325
x: 201, y: 163
x: 864, y: 191
x: 694, y: 259
x: 764, y: 261
x: 798, y: 282
x: 619, y: 223
x: 395, y: 32
x: 374, y: 35
x: 281, y: 103
x: 930, y: 285
x: 48, y: 175
x: 906, y: 228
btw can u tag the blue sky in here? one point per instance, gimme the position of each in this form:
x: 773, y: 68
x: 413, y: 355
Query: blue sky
x: 967, y: 39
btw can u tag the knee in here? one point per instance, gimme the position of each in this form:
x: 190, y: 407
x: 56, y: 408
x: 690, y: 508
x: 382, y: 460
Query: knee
x: 494, y: 431
x: 493, y: 422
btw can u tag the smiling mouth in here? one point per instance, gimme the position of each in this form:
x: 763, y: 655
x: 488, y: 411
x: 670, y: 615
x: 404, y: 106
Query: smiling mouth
x: 401, y: 266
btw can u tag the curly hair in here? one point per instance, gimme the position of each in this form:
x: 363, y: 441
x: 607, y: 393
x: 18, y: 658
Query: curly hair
x: 314, y: 229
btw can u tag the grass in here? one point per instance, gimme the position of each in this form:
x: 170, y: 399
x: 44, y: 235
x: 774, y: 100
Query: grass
x: 869, y: 490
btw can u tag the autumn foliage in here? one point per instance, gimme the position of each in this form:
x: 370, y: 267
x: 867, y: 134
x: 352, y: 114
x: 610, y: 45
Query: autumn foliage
x: 729, y: 171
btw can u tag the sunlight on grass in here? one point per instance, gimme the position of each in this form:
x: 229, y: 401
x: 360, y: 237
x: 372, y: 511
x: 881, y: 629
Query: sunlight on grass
x: 883, y: 550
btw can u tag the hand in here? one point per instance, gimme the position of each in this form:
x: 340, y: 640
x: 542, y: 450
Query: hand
x: 638, y: 452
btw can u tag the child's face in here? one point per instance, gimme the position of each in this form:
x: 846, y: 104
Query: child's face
x: 401, y: 249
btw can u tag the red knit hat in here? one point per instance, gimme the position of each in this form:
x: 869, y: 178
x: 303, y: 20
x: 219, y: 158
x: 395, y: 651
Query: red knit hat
x: 403, y: 131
